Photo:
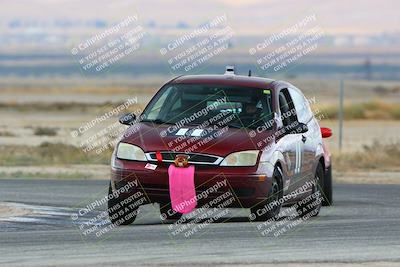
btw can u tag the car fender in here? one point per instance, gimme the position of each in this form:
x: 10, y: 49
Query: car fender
x: 273, y: 159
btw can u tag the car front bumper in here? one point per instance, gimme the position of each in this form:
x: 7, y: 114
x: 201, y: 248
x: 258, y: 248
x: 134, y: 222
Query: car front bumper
x: 248, y: 185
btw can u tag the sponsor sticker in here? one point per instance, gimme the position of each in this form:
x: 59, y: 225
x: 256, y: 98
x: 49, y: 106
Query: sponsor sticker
x: 150, y: 166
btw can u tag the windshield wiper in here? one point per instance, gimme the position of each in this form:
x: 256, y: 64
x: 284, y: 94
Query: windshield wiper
x: 157, y: 121
x: 234, y: 126
x: 229, y: 125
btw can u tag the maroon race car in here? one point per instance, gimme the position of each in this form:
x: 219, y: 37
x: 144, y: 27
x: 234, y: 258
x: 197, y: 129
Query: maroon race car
x: 254, y: 137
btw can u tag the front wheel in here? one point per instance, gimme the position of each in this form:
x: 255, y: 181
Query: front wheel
x: 271, y: 207
x: 311, y: 205
x: 121, y: 212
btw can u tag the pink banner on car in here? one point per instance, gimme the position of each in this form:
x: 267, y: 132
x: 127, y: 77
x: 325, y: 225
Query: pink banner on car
x: 182, y: 189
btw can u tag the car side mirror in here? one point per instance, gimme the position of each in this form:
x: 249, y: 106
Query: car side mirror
x: 127, y: 119
x: 326, y: 132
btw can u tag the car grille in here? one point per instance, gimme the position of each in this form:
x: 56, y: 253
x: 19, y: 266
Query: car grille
x: 194, y: 158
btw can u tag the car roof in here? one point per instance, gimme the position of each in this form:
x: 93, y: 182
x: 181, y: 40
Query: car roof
x: 224, y: 79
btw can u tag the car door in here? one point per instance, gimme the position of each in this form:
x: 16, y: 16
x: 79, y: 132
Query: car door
x: 292, y: 147
x: 304, y: 115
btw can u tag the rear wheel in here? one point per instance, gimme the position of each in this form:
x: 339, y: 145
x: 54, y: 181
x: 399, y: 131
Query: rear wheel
x: 167, y: 213
x: 311, y: 205
x: 121, y: 212
x: 271, y: 207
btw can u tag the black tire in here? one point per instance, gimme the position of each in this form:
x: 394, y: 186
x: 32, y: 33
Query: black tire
x: 120, y: 213
x: 327, y: 192
x: 272, y: 206
x: 167, y: 213
x: 311, y: 205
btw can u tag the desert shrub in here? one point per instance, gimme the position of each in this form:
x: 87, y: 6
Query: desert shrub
x: 6, y: 134
x: 45, y: 131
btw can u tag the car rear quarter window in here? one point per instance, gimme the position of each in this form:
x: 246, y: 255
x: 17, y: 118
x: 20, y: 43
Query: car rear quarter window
x: 286, y: 106
x: 301, y: 105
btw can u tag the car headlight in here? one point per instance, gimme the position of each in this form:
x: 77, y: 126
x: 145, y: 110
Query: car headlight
x: 130, y: 152
x: 242, y: 158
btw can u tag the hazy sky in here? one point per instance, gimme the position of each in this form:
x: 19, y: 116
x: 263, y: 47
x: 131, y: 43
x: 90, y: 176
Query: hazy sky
x: 245, y: 16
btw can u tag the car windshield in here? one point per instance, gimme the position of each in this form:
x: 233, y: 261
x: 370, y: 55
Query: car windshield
x: 194, y: 104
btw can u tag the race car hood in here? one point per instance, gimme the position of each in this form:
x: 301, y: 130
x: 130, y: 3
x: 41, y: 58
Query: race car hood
x: 213, y: 140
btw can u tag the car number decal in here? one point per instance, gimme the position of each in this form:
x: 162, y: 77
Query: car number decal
x: 299, y: 153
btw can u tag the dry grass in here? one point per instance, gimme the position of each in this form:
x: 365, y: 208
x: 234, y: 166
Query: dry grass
x: 75, y: 89
x: 49, y: 154
x: 377, y: 156
x: 98, y: 108
x: 367, y: 111
x: 61, y: 106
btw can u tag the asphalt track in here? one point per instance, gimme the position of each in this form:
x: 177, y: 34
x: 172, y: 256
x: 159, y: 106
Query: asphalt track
x: 362, y: 226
